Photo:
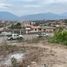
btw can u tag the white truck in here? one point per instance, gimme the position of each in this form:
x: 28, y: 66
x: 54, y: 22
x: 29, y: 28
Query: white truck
x: 15, y: 37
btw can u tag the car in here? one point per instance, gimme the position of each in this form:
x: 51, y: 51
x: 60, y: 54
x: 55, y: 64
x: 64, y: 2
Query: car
x: 15, y: 37
x: 42, y: 35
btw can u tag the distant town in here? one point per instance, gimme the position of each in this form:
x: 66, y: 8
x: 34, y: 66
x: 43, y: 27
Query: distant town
x: 31, y: 27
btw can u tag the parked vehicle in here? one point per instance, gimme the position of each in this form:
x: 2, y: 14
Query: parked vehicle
x: 42, y: 35
x: 15, y: 37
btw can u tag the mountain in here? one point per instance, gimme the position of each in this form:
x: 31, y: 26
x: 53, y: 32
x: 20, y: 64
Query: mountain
x: 64, y: 15
x: 8, y: 16
x: 42, y: 16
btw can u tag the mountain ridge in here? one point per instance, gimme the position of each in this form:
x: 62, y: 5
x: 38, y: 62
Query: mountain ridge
x: 7, y: 16
x: 41, y: 16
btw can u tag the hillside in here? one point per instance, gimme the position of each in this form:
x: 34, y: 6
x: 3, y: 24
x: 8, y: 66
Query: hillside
x: 41, y: 16
x: 8, y: 16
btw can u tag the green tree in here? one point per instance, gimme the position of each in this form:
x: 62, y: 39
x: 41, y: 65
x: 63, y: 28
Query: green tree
x: 12, y: 26
x: 18, y: 26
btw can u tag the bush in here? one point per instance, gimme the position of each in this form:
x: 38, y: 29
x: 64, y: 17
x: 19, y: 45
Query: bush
x: 60, y: 36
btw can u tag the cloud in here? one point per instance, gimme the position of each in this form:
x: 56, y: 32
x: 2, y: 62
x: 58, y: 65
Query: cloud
x: 4, y: 4
x: 24, y: 7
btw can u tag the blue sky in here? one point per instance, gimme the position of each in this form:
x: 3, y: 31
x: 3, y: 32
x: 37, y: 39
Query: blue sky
x: 26, y: 7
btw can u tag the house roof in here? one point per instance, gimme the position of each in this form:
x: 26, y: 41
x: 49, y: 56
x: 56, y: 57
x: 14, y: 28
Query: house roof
x: 35, y: 27
x: 47, y: 27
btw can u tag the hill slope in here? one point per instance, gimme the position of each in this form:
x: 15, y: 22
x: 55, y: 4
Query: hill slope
x: 8, y: 16
x: 41, y: 16
x: 46, y: 16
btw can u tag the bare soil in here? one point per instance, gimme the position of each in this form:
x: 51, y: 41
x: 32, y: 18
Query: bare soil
x: 53, y: 55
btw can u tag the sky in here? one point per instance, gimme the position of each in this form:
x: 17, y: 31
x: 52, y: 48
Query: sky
x: 26, y: 7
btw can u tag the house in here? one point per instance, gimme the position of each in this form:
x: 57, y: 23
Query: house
x: 35, y: 29
x: 48, y: 29
x: 32, y: 29
x: 27, y: 29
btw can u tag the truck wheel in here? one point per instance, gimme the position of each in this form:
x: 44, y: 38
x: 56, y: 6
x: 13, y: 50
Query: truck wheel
x: 20, y: 38
x: 11, y: 38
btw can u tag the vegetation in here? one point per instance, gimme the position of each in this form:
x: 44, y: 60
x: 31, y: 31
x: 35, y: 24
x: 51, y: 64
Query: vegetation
x: 65, y: 21
x: 16, y: 26
x: 60, y: 36
x: 14, y: 62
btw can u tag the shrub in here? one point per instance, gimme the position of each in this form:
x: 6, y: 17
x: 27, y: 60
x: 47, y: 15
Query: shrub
x: 14, y: 62
x: 60, y: 36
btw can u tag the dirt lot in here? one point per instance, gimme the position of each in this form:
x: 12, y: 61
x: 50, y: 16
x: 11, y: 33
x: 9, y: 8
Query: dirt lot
x: 54, y: 55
